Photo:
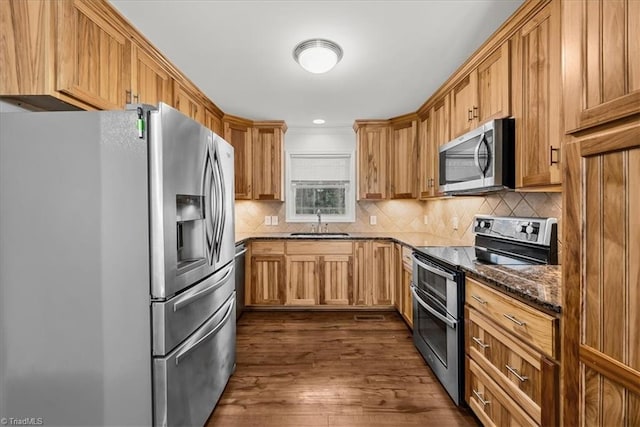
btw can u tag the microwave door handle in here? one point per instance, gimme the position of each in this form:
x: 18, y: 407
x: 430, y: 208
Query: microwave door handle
x: 433, y: 269
x: 449, y: 323
x: 476, y: 154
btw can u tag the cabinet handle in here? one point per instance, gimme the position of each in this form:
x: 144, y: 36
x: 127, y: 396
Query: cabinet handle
x: 514, y: 320
x: 430, y: 183
x: 469, y: 115
x: 475, y: 112
x: 522, y: 378
x: 551, y: 151
x: 135, y: 98
x: 480, y: 343
x: 128, y: 96
x: 480, y: 398
x: 480, y: 300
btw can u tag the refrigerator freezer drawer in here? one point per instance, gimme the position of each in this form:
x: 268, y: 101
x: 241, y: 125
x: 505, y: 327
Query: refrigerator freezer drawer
x: 174, y: 320
x: 191, y: 379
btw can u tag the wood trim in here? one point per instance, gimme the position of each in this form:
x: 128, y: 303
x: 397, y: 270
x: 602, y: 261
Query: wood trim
x: 625, y: 106
x: 571, y: 285
x: 619, y: 138
x: 369, y: 123
x: 373, y: 196
x: 235, y: 120
x: 610, y: 368
x: 403, y: 120
x: 268, y: 124
x: 549, y: 393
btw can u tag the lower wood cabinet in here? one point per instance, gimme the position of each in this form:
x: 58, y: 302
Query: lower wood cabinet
x: 306, y: 273
x: 510, y: 377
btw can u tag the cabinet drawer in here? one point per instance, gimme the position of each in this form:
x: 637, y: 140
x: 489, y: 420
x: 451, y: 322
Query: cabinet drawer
x: 489, y: 402
x: 267, y: 247
x: 534, y: 327
x: 315, y: 247
x: 527, y: 376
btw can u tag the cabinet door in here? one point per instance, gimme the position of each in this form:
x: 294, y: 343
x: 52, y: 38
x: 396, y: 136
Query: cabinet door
x: 213, y: 122
x: 407, y: 297
x: 239, y: 136
x: 336, y: 279
x: 383, y: 274
x: 188, y: 104
x: 536, y: 101
x: 426, y: 158
x: 372, y: 162
x: 463, y: 101
x: 493, y: 86
x: 91, y: 55
x: 150, y: 83
x: 403, y: 156
x: 602, y: 55
x: 267, y: 279
x: 303, y: 278
x: 267, y: 164
x: 362, y: 276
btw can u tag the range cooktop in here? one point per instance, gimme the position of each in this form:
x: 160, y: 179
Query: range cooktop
x: 503, y: 241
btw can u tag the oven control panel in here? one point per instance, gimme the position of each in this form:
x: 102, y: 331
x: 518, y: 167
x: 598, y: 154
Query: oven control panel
x: 532, y: 230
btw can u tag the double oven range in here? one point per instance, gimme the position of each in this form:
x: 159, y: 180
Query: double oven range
x: 438, y: 286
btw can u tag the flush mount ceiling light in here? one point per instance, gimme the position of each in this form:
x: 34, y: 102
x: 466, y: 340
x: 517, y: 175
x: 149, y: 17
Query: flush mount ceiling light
x: 318, y: 121
x: 317, y: 55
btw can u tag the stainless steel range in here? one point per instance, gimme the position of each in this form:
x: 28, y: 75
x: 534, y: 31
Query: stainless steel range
x: 438, y: 286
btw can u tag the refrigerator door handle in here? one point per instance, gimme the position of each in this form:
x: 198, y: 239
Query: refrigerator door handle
x: 209, y: 334
x: 210, y: 209
x: 221, y: 196
x: 188, y: 299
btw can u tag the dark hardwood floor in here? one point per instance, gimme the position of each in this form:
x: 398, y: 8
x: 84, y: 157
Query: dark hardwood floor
x: 327, y: 369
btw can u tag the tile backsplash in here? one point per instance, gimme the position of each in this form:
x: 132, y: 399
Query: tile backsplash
x: 410, y: 215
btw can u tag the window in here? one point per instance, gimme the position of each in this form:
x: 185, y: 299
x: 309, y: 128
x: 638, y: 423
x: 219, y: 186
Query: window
x: 323, y: 182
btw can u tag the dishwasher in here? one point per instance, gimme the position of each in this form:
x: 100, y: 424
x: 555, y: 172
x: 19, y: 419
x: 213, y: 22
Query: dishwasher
x: 241, y: 249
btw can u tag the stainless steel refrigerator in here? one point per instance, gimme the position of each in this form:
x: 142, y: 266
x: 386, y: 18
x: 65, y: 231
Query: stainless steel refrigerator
x: 117, y: 293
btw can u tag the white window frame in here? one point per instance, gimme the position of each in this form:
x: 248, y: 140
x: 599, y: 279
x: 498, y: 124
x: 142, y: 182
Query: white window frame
x: 350, y: 196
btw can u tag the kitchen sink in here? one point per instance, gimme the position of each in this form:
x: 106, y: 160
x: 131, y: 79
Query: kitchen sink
x: 319, y: 234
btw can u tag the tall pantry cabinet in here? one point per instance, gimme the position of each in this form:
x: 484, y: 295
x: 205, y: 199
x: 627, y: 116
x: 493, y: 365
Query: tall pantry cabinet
x: 601, y: 268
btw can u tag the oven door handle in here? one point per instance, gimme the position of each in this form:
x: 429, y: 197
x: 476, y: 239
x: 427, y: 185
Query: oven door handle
x: 433, y: 269
x: 450, y: 323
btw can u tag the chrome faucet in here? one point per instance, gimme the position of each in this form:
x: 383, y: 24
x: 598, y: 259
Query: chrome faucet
x: 319, y: 219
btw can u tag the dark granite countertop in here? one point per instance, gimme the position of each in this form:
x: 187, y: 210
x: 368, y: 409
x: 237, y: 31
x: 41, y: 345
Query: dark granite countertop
x: 537, y: 285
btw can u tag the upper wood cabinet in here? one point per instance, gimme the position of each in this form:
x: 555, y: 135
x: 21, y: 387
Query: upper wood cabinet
x: 150, y: 82
x: 213, y: 121
x: 91, y: 56
x: 372, y: 143
x: 463, y: 105
x: 426, y: 160
x: 268, y: 166
x: 403, y: 160
x: 483, y: 94
x: 602, y: 58
x: 237, y: 132
x: 188, y: 103
x: 536, y: 105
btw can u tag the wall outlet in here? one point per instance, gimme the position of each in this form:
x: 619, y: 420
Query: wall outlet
x: 454, y: 222
x: 373, y: 220
x: 425, y: 219
x: 267, y: 220
x: 274, y: 220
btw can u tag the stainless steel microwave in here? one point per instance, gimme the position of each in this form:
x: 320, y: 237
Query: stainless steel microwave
x: 479, y: 161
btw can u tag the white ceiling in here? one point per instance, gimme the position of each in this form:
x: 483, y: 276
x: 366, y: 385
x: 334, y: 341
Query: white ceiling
x: 239, y: 53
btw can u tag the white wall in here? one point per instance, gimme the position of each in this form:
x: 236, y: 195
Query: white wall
x: 320, y: 139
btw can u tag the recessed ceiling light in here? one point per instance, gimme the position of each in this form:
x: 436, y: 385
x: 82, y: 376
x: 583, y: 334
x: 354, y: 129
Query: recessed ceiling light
x: 318, y: 121
x: 317, y: 55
